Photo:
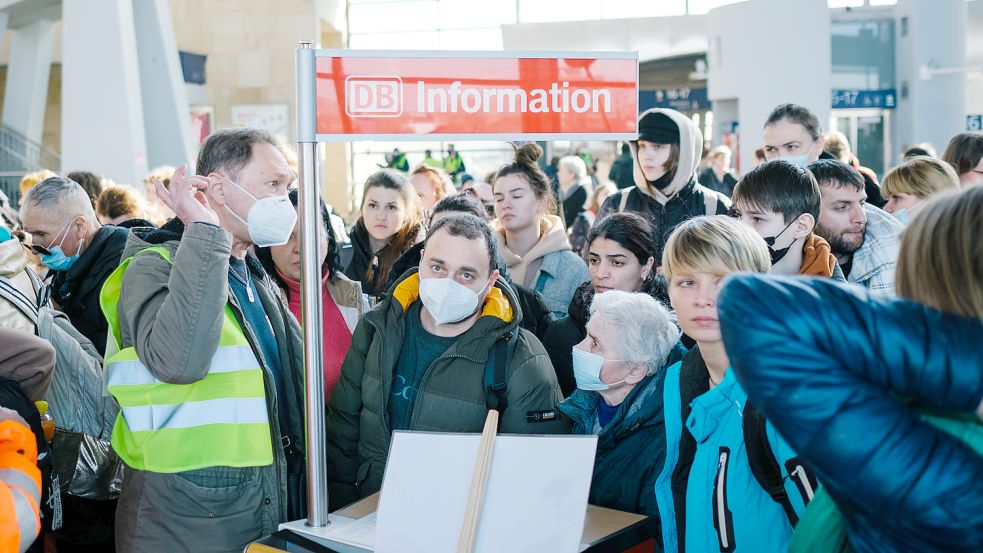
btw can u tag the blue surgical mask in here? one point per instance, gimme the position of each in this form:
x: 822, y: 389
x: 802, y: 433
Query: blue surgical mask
x: 903, y: 215
x: 799, y: 161
x: 57, y: 260
x: 587, y: 371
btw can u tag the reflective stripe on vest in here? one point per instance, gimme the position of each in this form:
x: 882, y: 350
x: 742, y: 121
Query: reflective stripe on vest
x: 220, y: 420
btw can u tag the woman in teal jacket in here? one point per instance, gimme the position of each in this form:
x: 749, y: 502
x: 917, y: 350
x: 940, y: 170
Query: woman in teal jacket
x: 851, y: 380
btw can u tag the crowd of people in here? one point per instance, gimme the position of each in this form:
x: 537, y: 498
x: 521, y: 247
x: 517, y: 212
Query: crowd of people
x: 770, y: 361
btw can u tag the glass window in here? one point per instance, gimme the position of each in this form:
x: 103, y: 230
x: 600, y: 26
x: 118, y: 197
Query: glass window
x: 863, y: 54
x: 392, y: 17
x: 703, y: 6
x: 468, y: 14
x: 471, y: 39
x: 424, y: 40
x: 540, y: 11
x: 625, y: 9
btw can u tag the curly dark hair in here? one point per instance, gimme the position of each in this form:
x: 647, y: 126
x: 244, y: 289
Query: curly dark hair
x: 331, y: 263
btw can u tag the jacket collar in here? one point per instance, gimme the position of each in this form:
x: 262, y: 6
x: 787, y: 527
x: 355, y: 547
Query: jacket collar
x: 711, y: 409
x: 407, y: 291
x: 640, y: 407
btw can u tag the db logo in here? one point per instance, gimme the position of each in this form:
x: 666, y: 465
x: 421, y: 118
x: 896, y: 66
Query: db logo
x: 373, y: 96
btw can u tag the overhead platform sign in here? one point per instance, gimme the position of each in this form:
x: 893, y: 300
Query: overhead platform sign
x: 419, y: 95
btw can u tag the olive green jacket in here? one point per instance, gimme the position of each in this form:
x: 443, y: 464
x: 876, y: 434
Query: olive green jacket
x: 451, y: 395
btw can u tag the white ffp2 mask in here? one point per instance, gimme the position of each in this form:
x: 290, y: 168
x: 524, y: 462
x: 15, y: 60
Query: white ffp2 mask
x: 446, y: 300
x: 270, y: 220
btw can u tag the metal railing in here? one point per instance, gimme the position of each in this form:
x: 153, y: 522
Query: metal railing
x: 20, y: 155
x: 18, y: 152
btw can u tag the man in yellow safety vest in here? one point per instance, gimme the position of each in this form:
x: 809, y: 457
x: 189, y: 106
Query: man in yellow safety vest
x: 204, y: 360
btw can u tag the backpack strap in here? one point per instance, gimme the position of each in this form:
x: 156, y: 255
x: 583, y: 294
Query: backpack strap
x: 764, y: 465
x: 710, y: 202
x: 497, y: 372
x: 624, y: 198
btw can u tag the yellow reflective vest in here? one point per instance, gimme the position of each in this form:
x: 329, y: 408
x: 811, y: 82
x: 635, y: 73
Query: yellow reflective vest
x: 220, y: 420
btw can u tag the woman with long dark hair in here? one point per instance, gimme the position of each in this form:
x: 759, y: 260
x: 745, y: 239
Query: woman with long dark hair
x: 389, y: 224
x: 342, y: 300
x: 620, y: 255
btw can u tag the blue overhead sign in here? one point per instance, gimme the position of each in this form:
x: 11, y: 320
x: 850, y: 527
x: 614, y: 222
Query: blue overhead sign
x: 681, y: 99
x: 856, y: 98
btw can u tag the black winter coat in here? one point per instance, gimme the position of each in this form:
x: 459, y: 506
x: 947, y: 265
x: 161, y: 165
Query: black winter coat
x: 691, y: 201
x: 76, y: 291
x: 565, y: 333
x: 631, y: 449
x: 574, y: 205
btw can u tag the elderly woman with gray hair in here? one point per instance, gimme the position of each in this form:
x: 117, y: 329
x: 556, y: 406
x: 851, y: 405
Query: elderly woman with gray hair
x: 619, y: 371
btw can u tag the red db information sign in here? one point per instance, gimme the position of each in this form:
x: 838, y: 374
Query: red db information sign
x: 364, y: 95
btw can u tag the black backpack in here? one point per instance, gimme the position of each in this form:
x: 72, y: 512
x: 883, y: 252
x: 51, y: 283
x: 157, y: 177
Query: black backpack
x: 497, y: 372
x: 13, y: 397
x: 765, y: 467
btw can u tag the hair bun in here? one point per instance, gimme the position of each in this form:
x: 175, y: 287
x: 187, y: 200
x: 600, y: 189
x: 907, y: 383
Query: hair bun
x: 528, y: 154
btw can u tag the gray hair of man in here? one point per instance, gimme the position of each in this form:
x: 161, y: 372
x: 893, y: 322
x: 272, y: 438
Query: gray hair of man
x: 646, y: 333
x: 229, y: 150
x: 63, y: 196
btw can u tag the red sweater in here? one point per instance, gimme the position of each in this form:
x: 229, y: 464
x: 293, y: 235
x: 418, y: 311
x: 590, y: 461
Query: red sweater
x: 337, y: 337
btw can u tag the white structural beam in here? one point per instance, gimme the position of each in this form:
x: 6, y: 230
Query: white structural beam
x: 166, y: 116
x: 26, y: 90
x: 102, y: 111
x: 931, y: 42
x: 751, y: 73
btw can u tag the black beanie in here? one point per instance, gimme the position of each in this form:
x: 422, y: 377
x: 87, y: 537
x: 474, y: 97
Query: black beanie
x: 658, y: 128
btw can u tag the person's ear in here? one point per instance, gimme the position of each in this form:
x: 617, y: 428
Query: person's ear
x: 81, y: 225
x: 821, y: 144
x: 492, y: 279
x: 635, y: 375
x: 647, y: 268
x: 215, y: 189
x: 803, y: 226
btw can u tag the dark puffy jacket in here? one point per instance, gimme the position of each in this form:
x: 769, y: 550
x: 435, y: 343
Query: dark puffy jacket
x: 451, y: 396
x: 76, y: 291
x: 630, y: 449
x: 829, y: 366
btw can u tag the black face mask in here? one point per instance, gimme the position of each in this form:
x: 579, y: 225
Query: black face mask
x: 660, y: 183
x: 777, y: 255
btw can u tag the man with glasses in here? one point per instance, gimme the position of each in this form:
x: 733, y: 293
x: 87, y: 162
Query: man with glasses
x: 80, y: 253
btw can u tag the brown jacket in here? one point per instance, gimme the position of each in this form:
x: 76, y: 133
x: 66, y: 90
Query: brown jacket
x: 27, y: 360
x: 817, y: 257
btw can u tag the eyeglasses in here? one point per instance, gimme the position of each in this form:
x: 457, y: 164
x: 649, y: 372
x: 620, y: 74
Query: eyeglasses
x: 38, y: 249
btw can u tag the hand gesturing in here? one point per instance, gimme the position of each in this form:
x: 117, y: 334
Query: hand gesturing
x: 185, y: 197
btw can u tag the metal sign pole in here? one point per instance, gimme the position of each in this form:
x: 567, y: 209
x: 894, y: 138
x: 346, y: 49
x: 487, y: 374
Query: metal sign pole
x: 310, y: 221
